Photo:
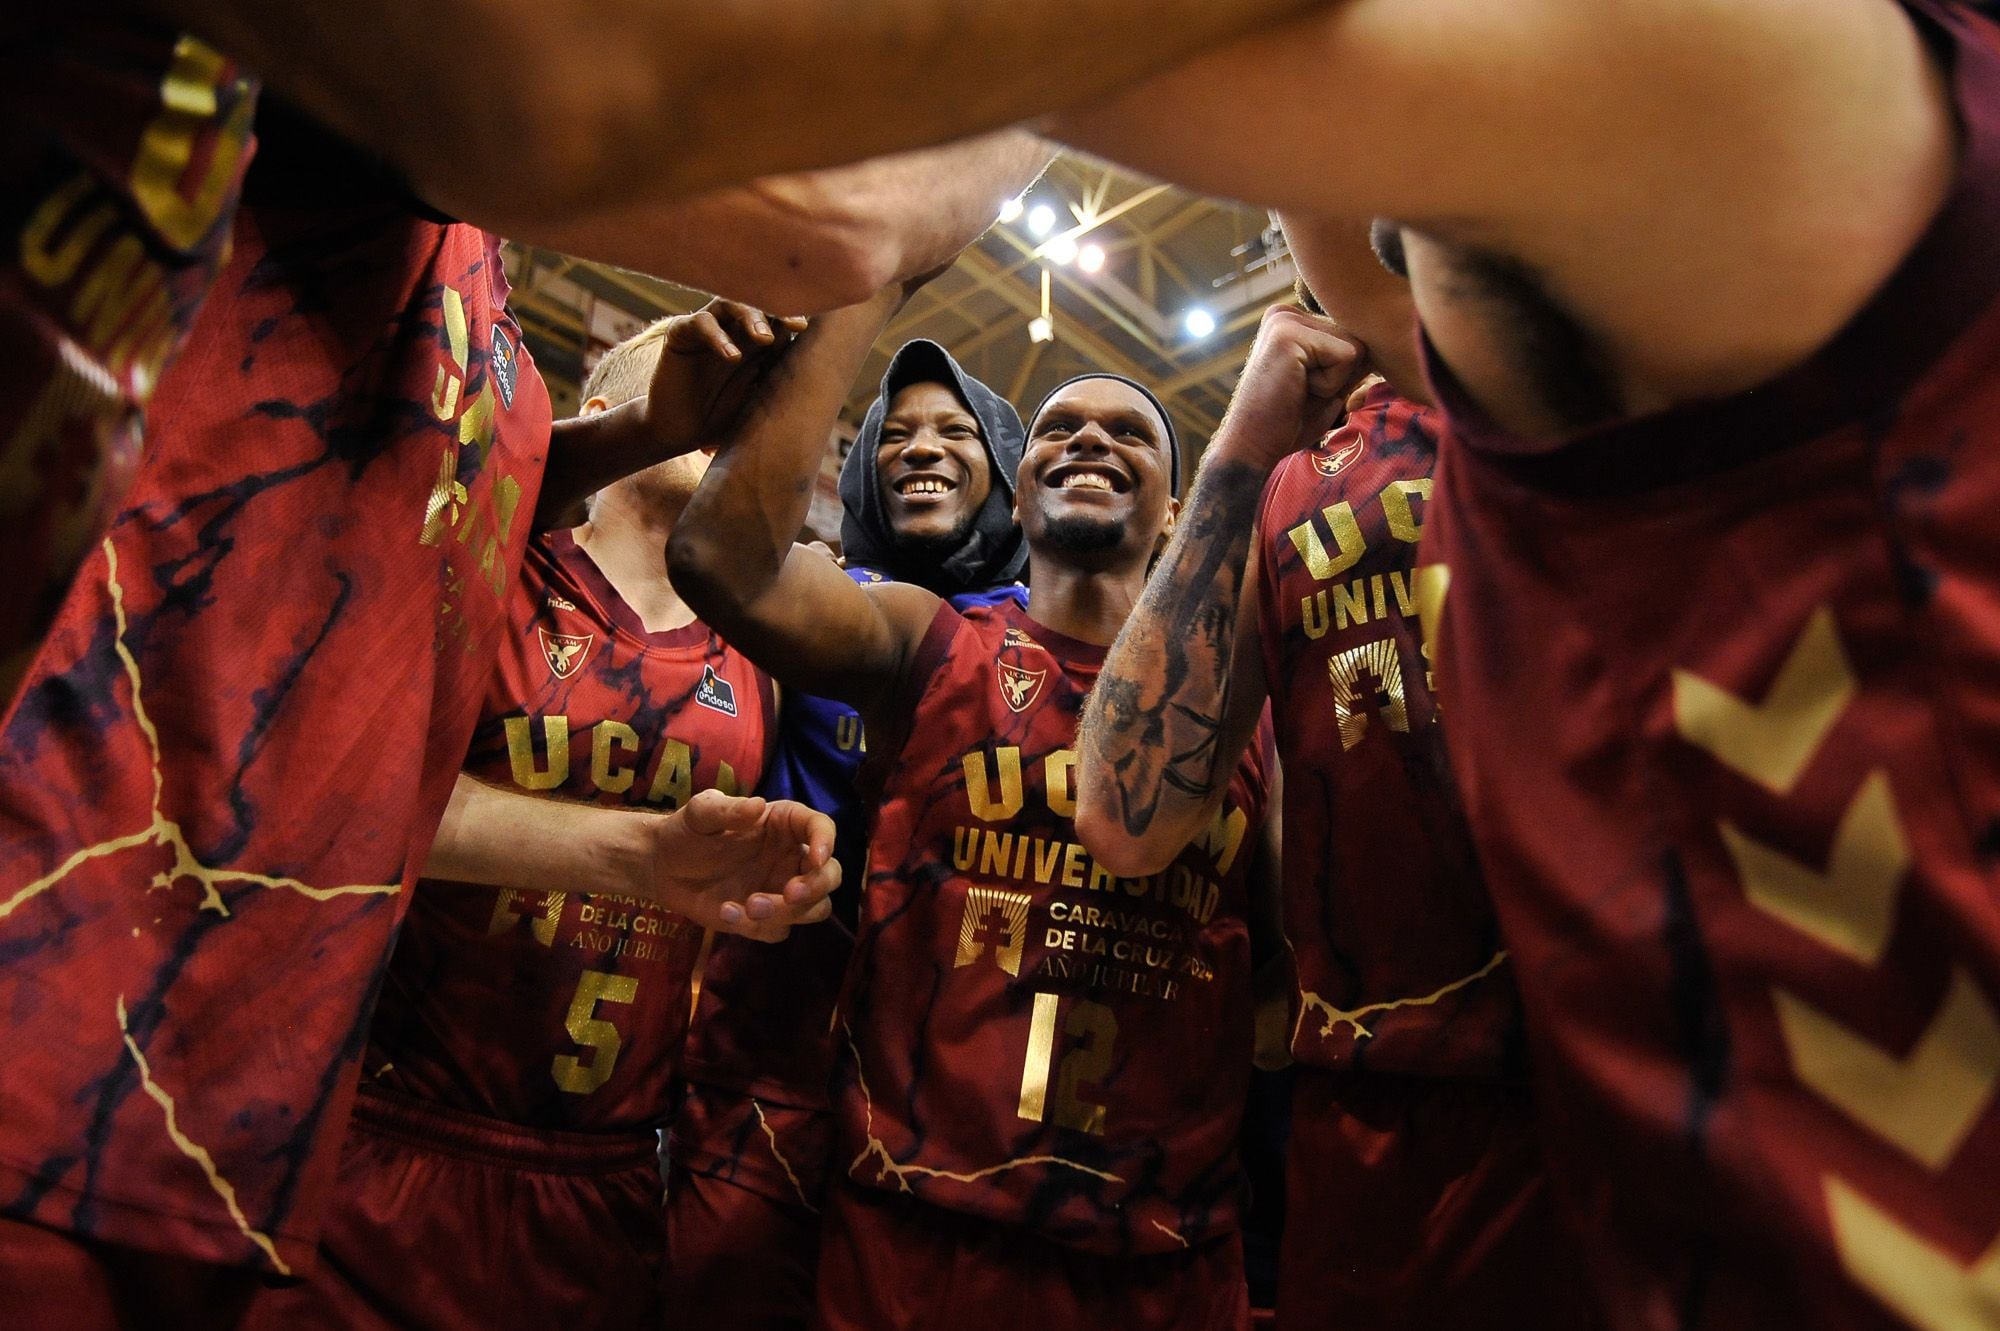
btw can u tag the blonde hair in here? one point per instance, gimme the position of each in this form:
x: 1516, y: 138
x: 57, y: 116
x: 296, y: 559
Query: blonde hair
x: 626, y: 371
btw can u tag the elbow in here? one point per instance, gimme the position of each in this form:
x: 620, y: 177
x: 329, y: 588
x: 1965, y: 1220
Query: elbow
x: 1109, y: 842
x: 695, y: 567
x: 836, y: 248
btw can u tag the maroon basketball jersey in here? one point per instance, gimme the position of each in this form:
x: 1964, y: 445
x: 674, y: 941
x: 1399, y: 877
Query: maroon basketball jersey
x: 234, y: 749
x: 1399, y: 963
x: 552, y: 1008
x: 1032, y: 1039
x: 1725, y: 712
x: 119, y: 171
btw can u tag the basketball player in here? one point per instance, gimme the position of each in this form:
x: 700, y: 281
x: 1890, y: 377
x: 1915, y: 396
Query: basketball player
x: 1709, y: 299
x: 228, y: 762
x: 1045, y: 1064
x: 1414, y: 1191
x: 928, y: 495
x: 521, y: 1058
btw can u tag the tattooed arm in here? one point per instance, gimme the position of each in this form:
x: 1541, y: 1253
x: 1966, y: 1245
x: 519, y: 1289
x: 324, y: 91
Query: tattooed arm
x: 1179, y: 695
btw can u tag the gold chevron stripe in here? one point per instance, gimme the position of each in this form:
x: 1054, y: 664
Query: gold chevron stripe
x: 1852, y: 906
x: 1926, y: 1286
x: 1772, y: 742
x: 1924, y: 1103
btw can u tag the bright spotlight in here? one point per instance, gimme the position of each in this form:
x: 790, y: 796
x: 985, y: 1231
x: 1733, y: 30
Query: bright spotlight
x: 1041, y: 330
x: 1011, y: 210
x: 1041, y: 220
x: 1090, y: 258
x: 1062, y: 249
x: 1198, y: 322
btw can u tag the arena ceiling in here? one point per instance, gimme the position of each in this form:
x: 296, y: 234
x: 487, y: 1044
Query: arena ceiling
x: 1165, y: 253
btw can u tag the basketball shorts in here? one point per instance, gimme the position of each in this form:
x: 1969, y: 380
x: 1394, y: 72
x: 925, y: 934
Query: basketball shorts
x: 444, y: 1220
x: 889, y: 1262
x: 1416, y: 1203
x: 745, y: 1182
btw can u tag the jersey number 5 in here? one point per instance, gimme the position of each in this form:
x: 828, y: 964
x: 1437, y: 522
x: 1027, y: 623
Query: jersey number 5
x: 585, y: 1027
x: 1094, y: 1026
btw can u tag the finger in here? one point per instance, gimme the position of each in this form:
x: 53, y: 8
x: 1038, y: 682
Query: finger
x: 794, y: 324
x: 715, y: 338
x: 746, y: 319
x: 812, y: 829
x: 814, y: 885
x: 712, y: 813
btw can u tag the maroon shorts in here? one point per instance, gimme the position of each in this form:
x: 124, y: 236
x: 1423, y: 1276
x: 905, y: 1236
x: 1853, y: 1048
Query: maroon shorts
x: 443, y: 1220
x: 891, y: 1263
x: 1412, y: 1203
x: 745, y: 1181
x: 50, y: 1279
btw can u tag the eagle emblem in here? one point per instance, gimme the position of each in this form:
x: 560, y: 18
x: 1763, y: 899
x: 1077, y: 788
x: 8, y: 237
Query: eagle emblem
x: 564, y: 652
x: 1019, y: 688
x: 1339, y: 460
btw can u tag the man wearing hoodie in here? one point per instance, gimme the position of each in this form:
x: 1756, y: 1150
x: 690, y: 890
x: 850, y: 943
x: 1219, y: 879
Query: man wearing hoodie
x: 928, y: 494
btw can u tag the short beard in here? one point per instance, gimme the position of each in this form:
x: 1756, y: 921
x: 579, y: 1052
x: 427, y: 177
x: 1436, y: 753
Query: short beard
x: 1079, y: 535
x: 918, y: 549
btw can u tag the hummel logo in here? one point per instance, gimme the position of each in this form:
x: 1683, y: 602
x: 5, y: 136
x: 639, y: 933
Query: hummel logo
x: 715, y: 692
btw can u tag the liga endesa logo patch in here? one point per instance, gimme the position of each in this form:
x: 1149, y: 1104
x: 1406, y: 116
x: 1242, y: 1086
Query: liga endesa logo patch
x: 715, y: 693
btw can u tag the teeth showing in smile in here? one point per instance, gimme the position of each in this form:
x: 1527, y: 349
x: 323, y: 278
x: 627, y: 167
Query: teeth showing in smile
x: 923, y: 485
x: 1085, y: 480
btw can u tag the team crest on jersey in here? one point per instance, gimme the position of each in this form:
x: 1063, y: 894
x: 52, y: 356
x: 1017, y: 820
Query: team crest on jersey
x: 564, y: 651
x: 1018, y: 687
x: 715, y: 693
x: 1334, y: 463
x: 505, y: 370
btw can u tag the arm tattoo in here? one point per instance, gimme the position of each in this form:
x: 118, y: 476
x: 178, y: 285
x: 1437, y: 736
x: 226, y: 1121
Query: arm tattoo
x: 1156, y: 721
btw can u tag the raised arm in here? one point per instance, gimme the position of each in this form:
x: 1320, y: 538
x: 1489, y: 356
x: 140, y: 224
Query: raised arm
x: 513, y: 112
x: 743, y: 865
x: 1777, y: 158
x: 787, y: 607
x: 1181, y: 691
x: 800, y: 244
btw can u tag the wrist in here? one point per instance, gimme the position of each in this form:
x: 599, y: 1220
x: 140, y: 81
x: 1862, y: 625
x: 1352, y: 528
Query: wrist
x: 1249, y: 447
x: 619, y: 853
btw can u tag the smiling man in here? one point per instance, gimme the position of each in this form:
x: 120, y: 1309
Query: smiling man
x: 1044, y: 1065
x: 928, y: 494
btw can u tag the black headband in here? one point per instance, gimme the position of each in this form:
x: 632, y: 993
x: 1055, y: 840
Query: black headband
x: 1166, y: 420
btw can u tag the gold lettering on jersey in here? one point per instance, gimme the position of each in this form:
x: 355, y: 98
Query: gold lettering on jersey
x: 994, y: 919
x: 606, y: 772
x: 1924, y: 1284
x: 1433, y: 584
x: 1348, y: 543
x: 847, y: 736
x: 1041, y: 1055
x: 1771, y: 742
x: 673, y: 783
x: 1926, y: 1102
x: 528, y: 775
x: 1852, y: 906
x: 1059, y: 782
x: 189, y: 102
x: 542, y: 922
x: 725, y: 779
x: 1224, y: 836
x: 52, y: 267
x: 446, y: 387
x: 594, y: 1033
x: 1368, y: 682
x: 986, y: 806
x: 1397, y: 506
x: 1094, y: 1027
